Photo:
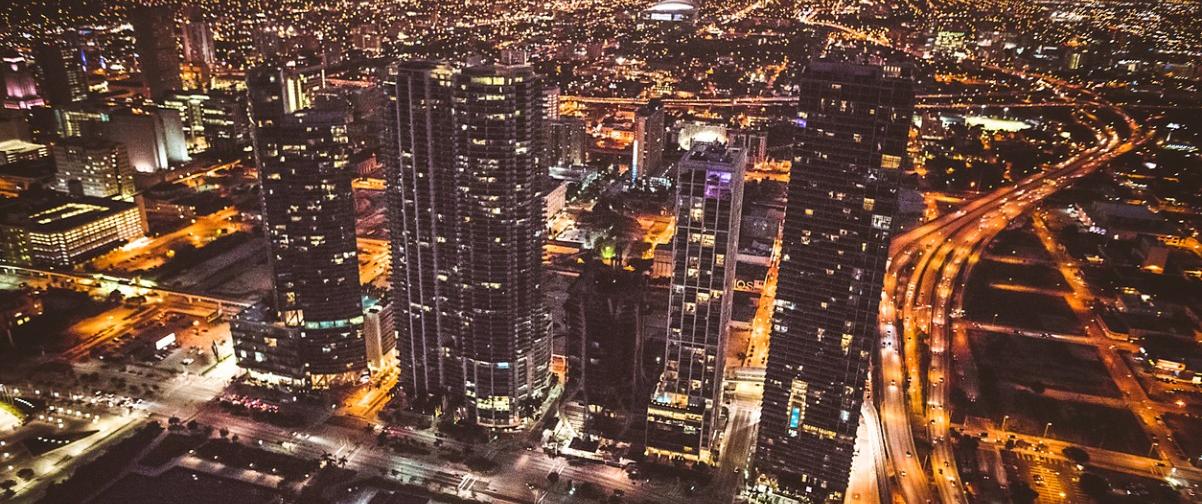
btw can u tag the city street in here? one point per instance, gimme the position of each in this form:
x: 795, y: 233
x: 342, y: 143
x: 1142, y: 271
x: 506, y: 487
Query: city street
x: 149, y: 253
x: 945, y: 250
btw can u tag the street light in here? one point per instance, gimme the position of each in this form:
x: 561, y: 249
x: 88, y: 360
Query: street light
x: 1046, y: 428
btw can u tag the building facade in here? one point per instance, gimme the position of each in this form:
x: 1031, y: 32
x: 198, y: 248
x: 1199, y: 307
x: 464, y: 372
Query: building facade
x: 63, y: 231
x: 158, y: 49
x: 380, y: 334
x: 463, y: 150
x: 93, y: 167
x: 684, y: 407
x: 20, y: 89
x: 568, y: 141
x: 647, y: 150
x: 850, y: 143
x: 419, y: 164
x: 197, y: 39
x: 604, y: 315
x: 60, y: 59
x: 755, y: 142
x: 212, y: 121
x: 14, y: 151
x: 153, y: 136
x: 224, y: 117
x: 309, y: 218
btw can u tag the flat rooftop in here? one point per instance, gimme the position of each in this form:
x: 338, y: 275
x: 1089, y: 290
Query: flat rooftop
x: 56, y: 211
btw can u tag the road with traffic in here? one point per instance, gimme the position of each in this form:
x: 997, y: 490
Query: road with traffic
x: 925, y: 285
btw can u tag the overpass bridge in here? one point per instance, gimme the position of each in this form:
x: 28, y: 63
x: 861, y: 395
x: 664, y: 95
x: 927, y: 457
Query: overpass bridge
x: 104, y: 282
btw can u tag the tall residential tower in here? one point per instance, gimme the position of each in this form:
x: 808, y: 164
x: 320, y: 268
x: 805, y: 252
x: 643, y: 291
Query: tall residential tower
x: 158, y: 49
x: 416, y: 151
x: 647, y: 150
x: 312, y: 333
x: 684, y: 409
x: 463, y: 149
x: 60, y: 59
x: 852, y: 129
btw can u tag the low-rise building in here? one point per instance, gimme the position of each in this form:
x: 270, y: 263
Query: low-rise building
x: 17, y: 308
x: 557, y: 198
x: 16, y: 178
x: 1173, y: 358
x: 64, y: 231
x: 379, y: 332
x: 174, y: 202
x: 14, y: 150
x: 1126, y: 222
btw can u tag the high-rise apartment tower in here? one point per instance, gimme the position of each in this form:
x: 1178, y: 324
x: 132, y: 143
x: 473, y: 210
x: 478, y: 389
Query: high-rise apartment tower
x: 852, y: 130
x: 463, y: 148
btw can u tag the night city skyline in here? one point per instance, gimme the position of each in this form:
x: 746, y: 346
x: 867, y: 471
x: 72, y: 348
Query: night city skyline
x: 646, y: 251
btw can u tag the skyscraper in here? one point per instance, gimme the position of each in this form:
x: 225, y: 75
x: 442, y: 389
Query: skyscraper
x: 312, y: 333
x: 647, y: 151
x: 158, y: 52
x: 60, y: 59
x: 20, y: 89
x: 463, y: 148
x: 416, y: 152
x: 197, y: 39
x: 568, y: 141
x: 297, y: 84
x: 709, y: 199
x: 197, y: 44
x: 850, y: 143
x: 504, y: 334
x: 153, y: 136
x: 604, y: 317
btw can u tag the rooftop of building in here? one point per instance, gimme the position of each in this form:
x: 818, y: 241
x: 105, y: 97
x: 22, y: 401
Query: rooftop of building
x: 599, y: 279
x: 1124, y: 211
x: 846, y: 70
x: 28, y: 168
x: 260, y: 312
x: 713, y: 152
x: 17, y: 145
x: 664, y: 399
x: 51, y: 211
x: 1128, y: 217
x: 88, y: 142
x: 1176, y: 349
x: 321, y: 115
x: 651, y: 107
x: 376, y: 299
x: 673, y: 6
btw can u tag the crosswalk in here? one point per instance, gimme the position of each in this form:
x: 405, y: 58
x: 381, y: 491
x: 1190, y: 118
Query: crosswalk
x: 466, y: 484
